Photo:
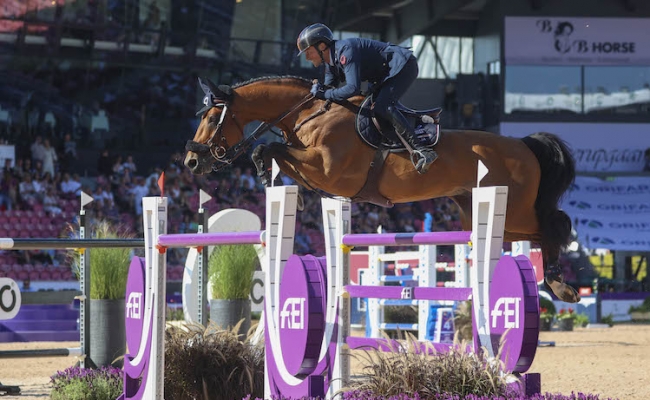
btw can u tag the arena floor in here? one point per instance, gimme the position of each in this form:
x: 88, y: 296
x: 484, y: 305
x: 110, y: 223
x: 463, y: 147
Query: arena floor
x: 610, y: 362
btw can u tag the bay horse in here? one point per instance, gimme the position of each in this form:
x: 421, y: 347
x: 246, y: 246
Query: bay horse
x: 322, y: 151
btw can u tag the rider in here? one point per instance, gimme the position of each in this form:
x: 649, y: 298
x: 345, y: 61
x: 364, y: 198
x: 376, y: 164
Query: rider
x: 393, y: 68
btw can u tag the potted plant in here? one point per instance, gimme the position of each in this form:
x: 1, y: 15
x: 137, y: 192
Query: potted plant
x: 108, y: 269
x: 642, y: 312
x: 230, y: 276
x: 546, y: 314
x: 565, y: 319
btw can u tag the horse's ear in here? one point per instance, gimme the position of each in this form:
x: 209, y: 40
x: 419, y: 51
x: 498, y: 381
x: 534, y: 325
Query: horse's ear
x: 204, y: 87
x: 213, y: 87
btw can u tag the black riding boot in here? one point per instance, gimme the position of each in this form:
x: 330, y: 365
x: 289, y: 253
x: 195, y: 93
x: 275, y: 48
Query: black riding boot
x: 421, y: 155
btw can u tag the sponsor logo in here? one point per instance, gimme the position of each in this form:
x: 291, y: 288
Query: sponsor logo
x: 603, y: 159
x: 292, y: 315
x: 582, y: 205
x: 134, y: 306
x: 591, y: 223
x: 628, y: 208
x: 601, y: 240
x: 565, y: 40
x: 508, y: 309
x: 7, y: 305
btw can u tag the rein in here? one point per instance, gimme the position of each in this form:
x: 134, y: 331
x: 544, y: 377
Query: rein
x: 230, y: 154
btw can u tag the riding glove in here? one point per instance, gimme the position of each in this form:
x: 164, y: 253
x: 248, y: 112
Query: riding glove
x: 318, y: 90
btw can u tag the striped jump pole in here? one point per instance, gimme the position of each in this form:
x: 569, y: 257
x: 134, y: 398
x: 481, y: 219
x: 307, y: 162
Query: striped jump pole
x: 210, y: 239
x: 62, y: 352
x: 406, y: 239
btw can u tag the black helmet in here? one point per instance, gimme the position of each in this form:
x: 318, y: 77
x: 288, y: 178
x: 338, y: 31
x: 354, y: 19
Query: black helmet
x: 314, y: 34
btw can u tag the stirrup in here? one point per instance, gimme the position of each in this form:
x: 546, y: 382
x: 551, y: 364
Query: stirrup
x: 422, y: 159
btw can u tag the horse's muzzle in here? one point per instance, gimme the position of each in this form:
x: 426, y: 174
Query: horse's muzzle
x: 197, y: 163
x: 198, y: 158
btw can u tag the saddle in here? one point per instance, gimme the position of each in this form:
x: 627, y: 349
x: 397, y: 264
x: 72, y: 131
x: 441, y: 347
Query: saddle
x: 379, y: 133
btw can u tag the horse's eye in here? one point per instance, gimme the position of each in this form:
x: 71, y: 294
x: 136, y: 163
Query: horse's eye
x: 212, y: 119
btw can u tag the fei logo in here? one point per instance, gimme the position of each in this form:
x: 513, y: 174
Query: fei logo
x: 510, y: 312
x: 293, y: 310
x: 134, y: 306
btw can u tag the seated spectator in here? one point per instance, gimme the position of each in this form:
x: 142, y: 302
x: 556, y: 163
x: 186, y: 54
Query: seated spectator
x: 51, y: 202
x: 138, y: 191
x: 247, y: 176
x: 29, y: 190
x: 129, y: 164
x: 117, y: 166
x: 70, y: 187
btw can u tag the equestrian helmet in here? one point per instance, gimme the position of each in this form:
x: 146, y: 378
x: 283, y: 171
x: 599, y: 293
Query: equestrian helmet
x: 312, y: 35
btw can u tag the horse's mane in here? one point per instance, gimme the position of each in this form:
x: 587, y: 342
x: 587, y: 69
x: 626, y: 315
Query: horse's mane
x: 299, y: 79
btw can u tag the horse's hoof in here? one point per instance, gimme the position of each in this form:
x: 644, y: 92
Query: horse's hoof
x: 300, y: 203
x: 563, y: 291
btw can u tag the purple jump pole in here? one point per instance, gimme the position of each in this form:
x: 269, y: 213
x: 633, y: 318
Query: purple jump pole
x: 210, y: 239
x: 406, y: 239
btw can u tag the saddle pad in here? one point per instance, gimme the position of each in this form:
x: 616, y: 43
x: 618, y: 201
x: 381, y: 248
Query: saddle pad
x: 366, y: 129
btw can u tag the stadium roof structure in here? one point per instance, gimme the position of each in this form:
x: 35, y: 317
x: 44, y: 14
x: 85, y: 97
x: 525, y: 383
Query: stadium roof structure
x: 396, y: 21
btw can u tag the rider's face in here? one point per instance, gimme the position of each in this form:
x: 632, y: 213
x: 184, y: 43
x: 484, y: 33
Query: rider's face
x: 311, y: 54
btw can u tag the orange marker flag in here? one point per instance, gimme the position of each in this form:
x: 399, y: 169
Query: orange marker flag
x: 161, y: 184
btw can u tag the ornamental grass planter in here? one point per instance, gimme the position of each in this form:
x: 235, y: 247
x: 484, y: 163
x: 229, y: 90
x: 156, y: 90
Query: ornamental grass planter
x: 107, y: 332
x: 226, y: 314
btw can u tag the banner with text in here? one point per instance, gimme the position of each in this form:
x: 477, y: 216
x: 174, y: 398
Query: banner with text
x: 577, y: 41
x: 611, y: 214
x: 601, y: 147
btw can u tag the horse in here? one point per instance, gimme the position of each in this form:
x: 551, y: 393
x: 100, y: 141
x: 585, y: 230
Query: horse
x: 321, y: 151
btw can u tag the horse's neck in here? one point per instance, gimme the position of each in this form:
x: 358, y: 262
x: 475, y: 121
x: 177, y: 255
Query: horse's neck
x: 270, y: 101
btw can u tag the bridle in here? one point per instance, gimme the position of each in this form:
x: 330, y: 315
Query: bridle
x: 223, y: 154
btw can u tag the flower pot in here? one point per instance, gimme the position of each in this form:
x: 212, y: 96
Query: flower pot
x: 227, y: 313
x: 565, y: 324
x: 107, y: 332
x: 545, y: 324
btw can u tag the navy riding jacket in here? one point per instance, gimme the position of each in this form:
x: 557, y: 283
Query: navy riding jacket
x: 359, y: 60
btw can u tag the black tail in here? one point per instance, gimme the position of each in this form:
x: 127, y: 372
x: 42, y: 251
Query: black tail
x: 557, y: 174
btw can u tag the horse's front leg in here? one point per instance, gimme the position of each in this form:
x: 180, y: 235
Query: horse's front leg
x: 262, y: 157
x: 262, y: 164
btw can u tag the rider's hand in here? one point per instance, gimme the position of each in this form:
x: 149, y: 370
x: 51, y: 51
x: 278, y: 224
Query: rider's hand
x: 318, y: 90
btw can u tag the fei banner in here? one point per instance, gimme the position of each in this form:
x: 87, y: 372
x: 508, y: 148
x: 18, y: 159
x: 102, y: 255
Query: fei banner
x: 596, y: 147
x: 577, y: 41
x: 611, y: 214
